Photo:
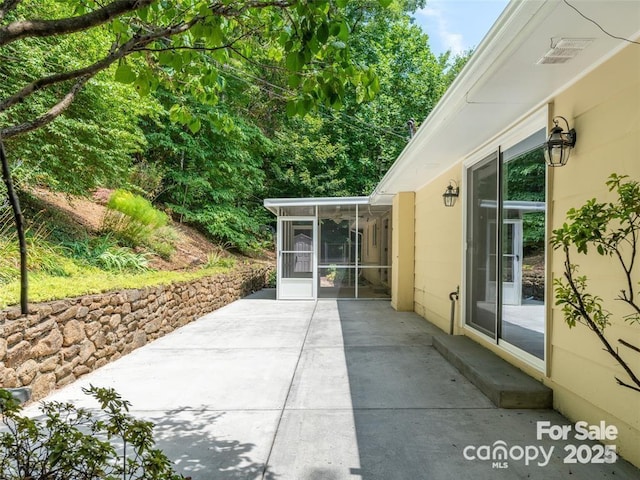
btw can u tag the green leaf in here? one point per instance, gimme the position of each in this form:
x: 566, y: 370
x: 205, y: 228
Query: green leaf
x: 292, y: 62
x: 322, y: 34
x: 385, y: 3
x: 125, y: 74
x: 294, y: 81
x: 195, y: 125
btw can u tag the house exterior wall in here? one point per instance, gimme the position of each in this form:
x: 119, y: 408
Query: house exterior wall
x: 375, y: 248
x: 604, y: 108
x: 402, y: 248
x: 438, y: 251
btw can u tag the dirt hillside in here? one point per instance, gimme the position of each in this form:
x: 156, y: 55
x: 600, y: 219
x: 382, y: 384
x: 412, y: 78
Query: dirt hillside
x: 192, y: 247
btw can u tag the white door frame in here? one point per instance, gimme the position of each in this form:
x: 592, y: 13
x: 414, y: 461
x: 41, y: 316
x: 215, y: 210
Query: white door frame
x: 512, y: 291
x: 297, y: 288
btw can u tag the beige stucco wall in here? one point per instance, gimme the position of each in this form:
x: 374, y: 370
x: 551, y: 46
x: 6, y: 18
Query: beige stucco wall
x: 402, y: 251
x: 605, y: 108
x: 438, y: 250
x: 375, y: 239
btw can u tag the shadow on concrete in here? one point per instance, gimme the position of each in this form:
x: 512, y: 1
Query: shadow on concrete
x: 186, y: 436
x: 414, y: 413
x: 264, y: 294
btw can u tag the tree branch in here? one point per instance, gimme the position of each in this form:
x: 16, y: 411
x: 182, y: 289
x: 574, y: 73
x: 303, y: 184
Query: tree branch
x: 132, y: 45
x: 7, y: 6
x: 632, y: 387
x: 592, y: 324
x: 59, y: 78
x: 46, y: 28
x: 629, y: 345
x: 19, y: 221
x: 49, y: 116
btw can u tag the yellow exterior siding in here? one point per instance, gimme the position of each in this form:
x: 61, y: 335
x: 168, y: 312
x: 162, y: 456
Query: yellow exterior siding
x: 605, y: 108
x: 402, y: 266
x: 438, y: 270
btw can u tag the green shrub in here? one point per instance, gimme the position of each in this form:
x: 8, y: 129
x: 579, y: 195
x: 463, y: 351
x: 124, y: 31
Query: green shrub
x: 163, y: 241
x: 146, y: 179
x: 72, y: 443
x: 216, y: 259
x: 132, y: 218
x: 272, y: 279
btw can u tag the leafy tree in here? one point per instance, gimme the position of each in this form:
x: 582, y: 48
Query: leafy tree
x: 92, y: 142
x: 181, y: 43
x: 185, y: 42
x: 613, y: 229
x: 355, y: 146
x: 212, y: 178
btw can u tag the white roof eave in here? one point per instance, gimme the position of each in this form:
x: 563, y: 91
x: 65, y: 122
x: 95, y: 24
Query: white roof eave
x: 502, y: 83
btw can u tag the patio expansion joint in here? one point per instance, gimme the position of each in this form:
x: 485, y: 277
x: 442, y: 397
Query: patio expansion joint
x: 206, y: 409
x: 386, y: 409
x: 220, y: 349
x: 286, y: 399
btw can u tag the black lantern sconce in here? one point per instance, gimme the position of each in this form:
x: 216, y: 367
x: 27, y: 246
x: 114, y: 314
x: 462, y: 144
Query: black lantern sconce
x: 451, y: 194
x: 558, y: 148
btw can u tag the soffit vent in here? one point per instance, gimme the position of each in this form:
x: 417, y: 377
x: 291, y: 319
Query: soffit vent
x: 565, y: 50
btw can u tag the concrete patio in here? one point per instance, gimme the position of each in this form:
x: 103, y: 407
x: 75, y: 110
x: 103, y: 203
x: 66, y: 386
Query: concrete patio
x: 323, y: 390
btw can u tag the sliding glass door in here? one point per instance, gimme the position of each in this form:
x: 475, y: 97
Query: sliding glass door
x: 482, y: 231
x: 523, y: 211
x: 505, y: 246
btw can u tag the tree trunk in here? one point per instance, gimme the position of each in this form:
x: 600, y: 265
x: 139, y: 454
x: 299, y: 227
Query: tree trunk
x: 17, y: 213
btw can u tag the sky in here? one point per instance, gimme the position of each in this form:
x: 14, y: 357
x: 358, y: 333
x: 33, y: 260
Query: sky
x: 458, y: 25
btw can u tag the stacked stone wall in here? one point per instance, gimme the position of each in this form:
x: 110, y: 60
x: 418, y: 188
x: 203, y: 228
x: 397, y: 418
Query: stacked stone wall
x: 58, y: 342
x: 533, y: 284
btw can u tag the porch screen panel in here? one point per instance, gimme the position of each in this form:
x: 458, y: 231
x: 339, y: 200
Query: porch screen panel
x: 297, y: 249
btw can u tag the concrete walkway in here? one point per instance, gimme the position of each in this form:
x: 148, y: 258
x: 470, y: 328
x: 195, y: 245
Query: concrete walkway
x: 327, y: 390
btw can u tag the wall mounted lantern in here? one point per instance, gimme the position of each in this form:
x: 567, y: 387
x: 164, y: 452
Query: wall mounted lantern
x: 451, y: 194
x: 558, y: 148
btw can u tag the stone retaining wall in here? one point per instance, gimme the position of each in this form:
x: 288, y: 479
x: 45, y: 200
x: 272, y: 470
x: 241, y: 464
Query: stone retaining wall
x: 60, y: 341
x: 533, y: 284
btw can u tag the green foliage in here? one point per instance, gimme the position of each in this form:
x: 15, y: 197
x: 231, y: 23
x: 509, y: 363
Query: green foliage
x: 524, y: 179
x: 272, y: 279
x: 213, y: 178
x: 346, y: 153
x: 218, y: 137
x: 613, y: 228
x: 121, y: 259
x: 137, y: 209
x: 216, y: 259
x: 71, y: 443
x: 133, y: 220
x: 42, y: 256
x: 91, y: 143
x: 575, y: 300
